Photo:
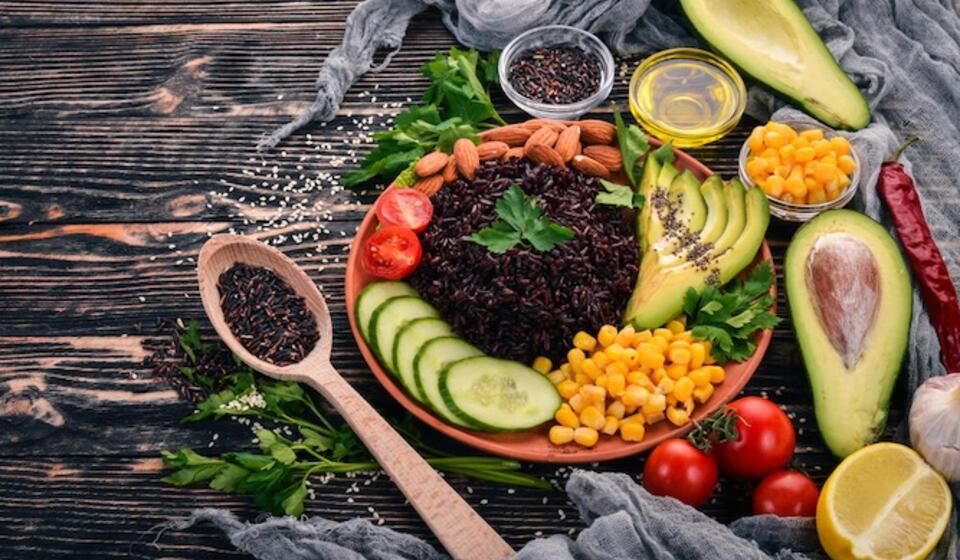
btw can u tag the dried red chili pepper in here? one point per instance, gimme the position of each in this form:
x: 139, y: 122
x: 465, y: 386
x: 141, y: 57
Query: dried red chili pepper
x: 939, y: 293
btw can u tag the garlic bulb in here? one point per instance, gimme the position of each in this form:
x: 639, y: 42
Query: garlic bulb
x: 935, y: 424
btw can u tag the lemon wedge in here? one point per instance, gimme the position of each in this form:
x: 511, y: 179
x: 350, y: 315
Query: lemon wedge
x: 883, y: 502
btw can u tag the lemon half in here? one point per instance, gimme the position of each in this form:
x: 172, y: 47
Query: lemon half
x: 883, y: 502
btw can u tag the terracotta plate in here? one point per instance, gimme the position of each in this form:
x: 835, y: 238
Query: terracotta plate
x: 534, y: 445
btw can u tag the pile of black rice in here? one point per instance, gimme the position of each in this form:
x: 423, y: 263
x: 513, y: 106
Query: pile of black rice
x: 524, y: 303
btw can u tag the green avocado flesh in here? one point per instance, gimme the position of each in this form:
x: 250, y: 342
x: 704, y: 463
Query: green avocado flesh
x: 773, y: 42
x: 727, y: 222
x: 850, y: 299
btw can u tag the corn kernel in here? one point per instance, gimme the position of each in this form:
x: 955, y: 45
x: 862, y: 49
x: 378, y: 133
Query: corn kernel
x: 812, y: 134
x: 683, y: 389
x: 611, y: 425
x: 654, y: 417
x: 804, y: 154
x: 774, y: 185
x: 703, y: 394
x: 615, y: 352
x: 817, y: 196
x: 697, y: 354
x: 589, y: 368
x: 582, y: 378
x: 637, y: 377
x: 593, y: 394
x: 633, y: 419
x: 717, y: 374
x: 680, y: 356
x: 642, y: 336
x: 542, y: 364
x: 665, y: 385
x: 577, y: 403
x: 592, y: 417
x: 600, y: 359
x: 840, y: 145
x: 633, y: 431
x: 656, y: 403
x: 676, y: 371
x: 755, y: 140
x: 773, y: 139
x: 565, y: 416
x: 679, y: 414
x: 601, y: 380
x: 607, y: 334
x: 635, y: 395
x: 679, y: 342
x: 625, y: 336
x: 556, y: 377
x: 700, y: 376
x: 584, y: 341
x: 658, y: 374
x: 575, y: 357
x: 567, y: 370
x: 567, y: 388
x: 616, y: 383
x: 650, y: 356
x: 617, y: 368
x: 665, y: 334
x: 617, y: 410
x: 586, y: 437
x: 560, y: 435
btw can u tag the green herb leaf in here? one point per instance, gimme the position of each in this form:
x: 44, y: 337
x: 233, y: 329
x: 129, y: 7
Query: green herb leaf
x: 293, y: 502
x: 619, y: 195
x: 633, y: 144
x: 665, y: 152
x: 229, y: 479
x: 521, y: 220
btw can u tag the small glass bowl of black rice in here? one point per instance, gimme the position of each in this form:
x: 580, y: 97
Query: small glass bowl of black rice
x: 524, y: 303
x: 556, y: 72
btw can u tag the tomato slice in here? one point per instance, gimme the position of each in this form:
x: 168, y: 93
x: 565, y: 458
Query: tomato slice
x: 392, y: 253
x: 404, y: 207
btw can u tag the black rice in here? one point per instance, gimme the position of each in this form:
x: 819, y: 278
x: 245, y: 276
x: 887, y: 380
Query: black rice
x: 266, y: 315
x: 525, y: 303
x: 555, y: 75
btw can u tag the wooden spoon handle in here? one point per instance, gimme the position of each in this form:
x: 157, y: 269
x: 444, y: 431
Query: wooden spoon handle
x: 458, y: 526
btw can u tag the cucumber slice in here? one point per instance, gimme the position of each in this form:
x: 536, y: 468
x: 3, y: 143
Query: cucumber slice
x: 498, y: 395
x: 430, y: 360
x: 388, y: 318
x: 371, y: 297
x: 409, y: 340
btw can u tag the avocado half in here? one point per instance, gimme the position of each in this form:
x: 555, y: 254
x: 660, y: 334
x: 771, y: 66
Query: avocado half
x: 850, y: 300
x: 773, y: 42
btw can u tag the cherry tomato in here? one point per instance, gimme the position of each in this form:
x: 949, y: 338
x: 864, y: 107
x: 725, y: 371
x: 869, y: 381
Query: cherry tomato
x: 404, y: 207
x: 787, y: 494
x: 678, y: 469
x: 391, y: 253
x: 764, y: 444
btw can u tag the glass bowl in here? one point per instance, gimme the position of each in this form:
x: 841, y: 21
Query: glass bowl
x: 803, y: 212
x: 556, y: 36
x: 688, y: 96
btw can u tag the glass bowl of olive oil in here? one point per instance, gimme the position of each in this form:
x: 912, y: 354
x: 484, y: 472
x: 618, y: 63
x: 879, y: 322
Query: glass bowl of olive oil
x: 688, y: 96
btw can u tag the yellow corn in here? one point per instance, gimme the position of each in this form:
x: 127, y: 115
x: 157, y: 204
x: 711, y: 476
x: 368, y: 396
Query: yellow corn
x: 567, y: 388
x: 703, y: 394
x: 607, y: 334
x: 656, y: 403
x: 586, y: 437
x: 700, y: 376
x: 560, y: 435
x: 654, y: 417
x: 600, y: 359
x: 615, y: 352
x: 611, y: 425
x: 584, y: 341
x: 589, y: 368
x: 630, y: 357
x: 593, y: 394
x: 556, y: 376
x: 567, y: 370
x: 658, y: 374
x: 616, y: 409
x: 575, y: 357
x: 577, y: 403
x: 592, y: 417
x: 633, y: 431
x: 625, y: 336
x: 676, y: 371
x: 601, y: 380
x: 542, y: 364
x: 635, y: 395
x: 617, y: 368
x: 637, y: 377
x: 683, y: 389
x: 565, y: 416
x: 633, y: 419
x: 641, y: 336
x: 665, y: 386
x: 582, y: 378
x: 616, y: 383
x: 675, y: 327
x: 685, y: 336
x: 697, y: 354
x: 650, y: 356
x: 679, y: 414
x: 680, y: 356
x: 717, y: 374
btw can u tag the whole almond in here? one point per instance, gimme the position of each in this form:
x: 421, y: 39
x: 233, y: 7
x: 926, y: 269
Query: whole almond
x: 537, y: 124
x: 541, y: 153
x: 589, y: 166
x: 567, y: 142
x: 449, y: 173
x: 510, y: 135
x: 468, y: 160
x: 513, y: 153
x: 594, y: 131
x: 491, y: 150
x: 545, y: 136
x: 607, y: 156
x: 429, y: 185
x: 431, y: 164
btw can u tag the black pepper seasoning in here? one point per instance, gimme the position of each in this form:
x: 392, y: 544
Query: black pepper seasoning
x: 555, y: 75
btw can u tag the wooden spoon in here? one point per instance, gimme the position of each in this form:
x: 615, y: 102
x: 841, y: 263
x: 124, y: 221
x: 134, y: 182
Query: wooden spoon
x: 461, y: 530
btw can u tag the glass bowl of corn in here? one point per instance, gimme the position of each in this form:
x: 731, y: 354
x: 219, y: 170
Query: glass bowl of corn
x: 803, y: 167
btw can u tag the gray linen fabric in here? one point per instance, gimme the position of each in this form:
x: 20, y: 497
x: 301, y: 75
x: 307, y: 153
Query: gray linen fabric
x: 905, y: 56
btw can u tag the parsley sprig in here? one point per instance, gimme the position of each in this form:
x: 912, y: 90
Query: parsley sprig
x: 727, y: 317
x: 619, y: 195
x: 302, y: 443
x: 521, y: 222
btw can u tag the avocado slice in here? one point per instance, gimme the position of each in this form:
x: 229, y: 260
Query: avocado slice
x: 684, y: 200
x: 773, y: 42
x: 714, y: 197
x: 659, y: 291
x: 651, y: 228
x: 850, y: 299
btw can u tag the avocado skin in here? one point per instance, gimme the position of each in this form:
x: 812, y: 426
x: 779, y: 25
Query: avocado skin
x: 851, y: 404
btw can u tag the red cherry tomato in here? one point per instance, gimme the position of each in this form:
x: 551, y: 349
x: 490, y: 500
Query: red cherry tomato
x: 405, y: 208
x: 391, y: 253
x: 678, y: 469
x: 764, y: 444
x: 787, y: 494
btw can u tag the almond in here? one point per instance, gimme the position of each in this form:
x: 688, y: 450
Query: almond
x: 607, y: 156
x: 594, y: 131
x: 545, y: 136
x: 468, y: 160
x: 491, y: 150
x: 510, y: 135
x: 429, y: 185
x: 567, y: 142
x: 431, y: 164
x: 513, y: 153
x: 589, y: 166
x: 450, y: 171
x: 541, y: 153
x: 537, y: 124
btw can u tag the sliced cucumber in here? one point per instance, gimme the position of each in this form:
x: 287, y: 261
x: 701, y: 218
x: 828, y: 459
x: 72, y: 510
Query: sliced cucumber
x: 498, y: 395
x: 428, y: 363
x: 409, y: 340
x: 388, y: 318
x: 371, y: 297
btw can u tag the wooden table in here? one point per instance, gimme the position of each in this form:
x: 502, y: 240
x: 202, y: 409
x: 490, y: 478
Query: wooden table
x: 121, y: 124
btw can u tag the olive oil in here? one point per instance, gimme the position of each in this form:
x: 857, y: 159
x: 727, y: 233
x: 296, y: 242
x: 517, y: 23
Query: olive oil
x: 688, y: 96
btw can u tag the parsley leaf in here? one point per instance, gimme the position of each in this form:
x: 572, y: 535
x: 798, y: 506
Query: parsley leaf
x: 619, y: 195
x: 633, y: 144
x: 728, y: 317
x: 665, y: 152
x: 521, y: 220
